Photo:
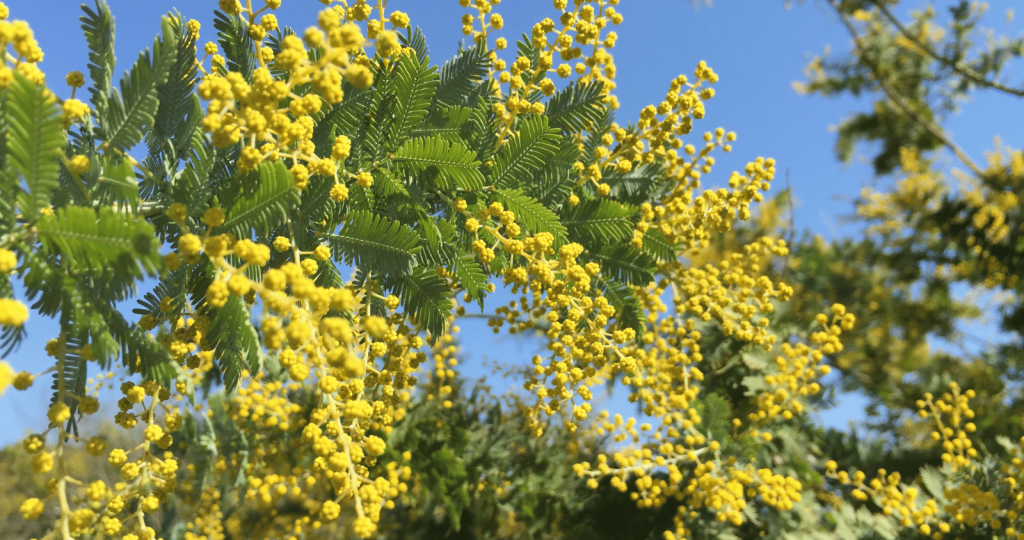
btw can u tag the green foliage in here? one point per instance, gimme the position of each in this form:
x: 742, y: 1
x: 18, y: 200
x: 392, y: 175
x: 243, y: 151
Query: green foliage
x: 232, y: 36
x: 375, y: 244
x: 577, y: 107
x: 524, y: 152
x: 136, y: 105
x: 535, y: 216
x: 235, y: 341
x: 98, y: 241
x: 415, y: 84
x: 598, y: 221
x: 34, y: 141
x: 460, y: 76
x: 425, y: 296
x: 263, y: 209
x: 445, y: 165
x: 176, y: 94
x: 625, y: 263
x: 98, y: 26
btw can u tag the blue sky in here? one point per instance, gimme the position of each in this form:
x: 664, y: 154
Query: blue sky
x: 757, y: 47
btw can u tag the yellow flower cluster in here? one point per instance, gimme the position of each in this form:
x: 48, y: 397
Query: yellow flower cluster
x: 896, y: 499
x: 25, y: 53
x: 951, y: 415
x: 577, y: 28
x: 267, y: 115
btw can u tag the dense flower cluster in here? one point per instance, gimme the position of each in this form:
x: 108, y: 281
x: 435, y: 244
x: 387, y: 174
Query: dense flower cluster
x: 324, y: 369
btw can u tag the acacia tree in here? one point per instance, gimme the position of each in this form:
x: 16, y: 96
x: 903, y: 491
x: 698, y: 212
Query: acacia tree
x: 942, y: 223
x: 278, y: 399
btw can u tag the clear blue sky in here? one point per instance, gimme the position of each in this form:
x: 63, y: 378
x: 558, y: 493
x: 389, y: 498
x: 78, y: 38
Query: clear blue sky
x: 757, y: 47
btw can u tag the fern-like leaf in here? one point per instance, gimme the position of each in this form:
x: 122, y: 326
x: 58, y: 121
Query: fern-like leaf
x: 599, y: 221
x: 175, y: 95
x: 626, y: 264
x: 116, y: 183
x: 98, y: 25
x: 657, y: 246
x: 415, y: 40
x: 460, y: 76
x: 267, y: 207
x: 236, y: 343
x: 139, y: 352
x: 415, y: 84
x: 372, y: 243
x: 386, y: 184
x: 34, y: 142
x: 450, y: 123
x: 448, y: 164
x: 233, y: 36
x: 533, y: 215
x: 123, y: 127
x: 576, y: 107
x: 100, y: 241
x: 628, y: 312
x: 641, y: 184
x: 524, y: 152
x: 425, y: 296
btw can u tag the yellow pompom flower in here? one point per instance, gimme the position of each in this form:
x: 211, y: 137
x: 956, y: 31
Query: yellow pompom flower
x: 213, y: 216
x: 75, y: 79
x: 78, y: 165
x: 8, y: 261
x: 23, y: 380
x: 31, y: 509
x: 7, y: 376
x: 282, y: 244
x: 177, y: 212
x: 359, y: 76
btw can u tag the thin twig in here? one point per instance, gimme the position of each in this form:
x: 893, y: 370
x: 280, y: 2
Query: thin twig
x: 955, y: 66
x: 900, y: 102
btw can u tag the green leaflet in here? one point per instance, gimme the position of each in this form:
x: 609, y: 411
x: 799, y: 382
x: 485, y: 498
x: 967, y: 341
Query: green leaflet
x: 234, y: 41
x: 524, y: 151
x: 124, y: 121
x: 443, y: 247
x: 599, y: 221
x: 576, y: 107
x: 637, y: 186
x: 386, y: 184
x: 415, y: 84
x: 657, y: 246
x: 459, y: 77
x: 553, y: 183
x: 374, y: 244
x: 425, y: 296
x: 624, y: 263
x: 237, y: 346
x: 115, y: 183
x: 267, y: 207
x: 139, y: 352
x: 191, y: 187
x: 98, y: 26
x: 75, y: 373
x: 714, y: 415
x: 627, y: 307
x: 34, y: 142
x: 471, y: 275
x: 414, y: 39
x: 450, y: 123
x: 449, y: 165
x: 175, y: 95
x: 533, y: 215
x: 102, y: 240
